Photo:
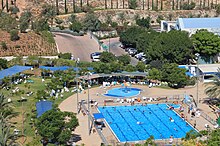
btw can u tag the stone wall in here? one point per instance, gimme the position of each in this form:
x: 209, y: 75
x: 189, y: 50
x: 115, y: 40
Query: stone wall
x: 131, y: 14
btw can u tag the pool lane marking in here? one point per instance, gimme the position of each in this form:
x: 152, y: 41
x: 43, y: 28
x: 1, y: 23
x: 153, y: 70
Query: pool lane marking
x: 162, y: 122
x: 129, y: 125
x: 151, y: 123
x: 140, y: 125
x: 174, y: 120
x: 117, y: 126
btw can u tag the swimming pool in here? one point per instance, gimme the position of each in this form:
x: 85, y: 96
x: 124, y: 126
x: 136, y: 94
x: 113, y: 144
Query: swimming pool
x: 154, y: 121
x: 123, y: 92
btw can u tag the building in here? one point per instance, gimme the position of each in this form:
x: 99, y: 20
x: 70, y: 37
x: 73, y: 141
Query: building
x: 191, y: 25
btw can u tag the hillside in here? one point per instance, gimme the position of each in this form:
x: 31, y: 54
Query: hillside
x: 29, y: 44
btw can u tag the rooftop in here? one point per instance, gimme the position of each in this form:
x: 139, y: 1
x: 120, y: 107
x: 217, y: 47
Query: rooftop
x: 199, y: 23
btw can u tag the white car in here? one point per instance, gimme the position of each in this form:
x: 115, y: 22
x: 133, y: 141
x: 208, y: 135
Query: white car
x: 95, y: 58
x: 139, y: 55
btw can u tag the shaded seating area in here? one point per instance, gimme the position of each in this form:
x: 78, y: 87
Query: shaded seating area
x: 13, y: 70
x: 42, y: 107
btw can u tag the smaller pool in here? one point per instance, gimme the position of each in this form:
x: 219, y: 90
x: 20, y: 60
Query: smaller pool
x: 123, y: 92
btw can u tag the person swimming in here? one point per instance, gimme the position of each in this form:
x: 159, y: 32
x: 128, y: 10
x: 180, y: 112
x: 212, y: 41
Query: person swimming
x: 139, y: 123
x: 171, y: 119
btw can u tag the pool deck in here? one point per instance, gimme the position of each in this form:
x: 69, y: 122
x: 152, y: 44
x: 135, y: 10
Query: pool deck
x: 94, y: 140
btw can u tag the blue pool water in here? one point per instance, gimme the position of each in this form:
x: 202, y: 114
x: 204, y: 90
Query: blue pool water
x: 123, y: 92
x: 154, y: 121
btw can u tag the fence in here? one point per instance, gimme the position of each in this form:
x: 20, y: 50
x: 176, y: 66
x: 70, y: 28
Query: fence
x: 82, y: 103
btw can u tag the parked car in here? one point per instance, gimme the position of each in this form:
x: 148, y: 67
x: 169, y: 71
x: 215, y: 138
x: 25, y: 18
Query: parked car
x: 95, y: 54
x: 132, y: 51
x: 96, y: 58
x: 140, y: 55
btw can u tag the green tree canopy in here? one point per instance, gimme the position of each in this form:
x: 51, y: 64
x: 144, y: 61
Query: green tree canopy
x: 132, y: 4
x: 171, y: 47
x: 3, y: 63
x: 155, y: 74
x: 107, y: 57
x: 175, y: 76
x: 25, y: 20
x: 131, y: 35
x: 76, y: 26
x: 91, y: 22
x: 206, y: 43
x: 7, y: 22
x: 124, y: 59
x: 143, y: 22
x: 56, y: 125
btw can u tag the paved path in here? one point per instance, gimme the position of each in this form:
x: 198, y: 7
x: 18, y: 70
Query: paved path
x: 80, y: 46
x: 118, y: 51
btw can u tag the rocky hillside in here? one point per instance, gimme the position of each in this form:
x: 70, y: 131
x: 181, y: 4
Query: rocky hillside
x: 29, y: 44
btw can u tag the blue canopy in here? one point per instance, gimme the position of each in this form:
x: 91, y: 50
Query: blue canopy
x: 61, y: 68
x: 42, y: 107
x: 98, y: 116
x: 13, y: 70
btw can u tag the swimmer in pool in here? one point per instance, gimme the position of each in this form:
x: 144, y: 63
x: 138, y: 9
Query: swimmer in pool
x: 139, y: 123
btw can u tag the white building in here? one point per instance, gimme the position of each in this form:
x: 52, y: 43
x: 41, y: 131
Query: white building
x: 191, y: 25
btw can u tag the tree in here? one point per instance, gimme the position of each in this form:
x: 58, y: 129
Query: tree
x: 72, y: 18
x: 143, y: 22
x: 4, y: 46
x: 124, y: 59
x: 121, y: 17
x: 25, y: 20
x: 217, y: 9
x: 155, y: 74
x: 130, y: 68
x: 159, y: 18
x: 213, y: 88
x: 3, y: 63
x: 140, y: 66
x: 14, y: 35
x: 107, y: 57
x: 48, y: 12
x: 175, y: 76
x: 163, y: 48
x: 7, y: 138
x: 7, y: 22
x: 41, y: 25
x: 56, y: 125
x: 76, y: 26
x: 91, y: 22
x: 206, y: 43
x: 132, y: 4
x: 65, y: 7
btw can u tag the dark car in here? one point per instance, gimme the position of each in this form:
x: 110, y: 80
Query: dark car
x: 95, y: 54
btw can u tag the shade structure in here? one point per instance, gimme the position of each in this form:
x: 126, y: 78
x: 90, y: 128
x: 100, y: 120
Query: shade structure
x: 98, y: 116
x: 42, y: 107
x: 13, y: 70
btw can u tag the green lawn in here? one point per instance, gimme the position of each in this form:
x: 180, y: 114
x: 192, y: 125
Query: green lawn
x: 29, y: 108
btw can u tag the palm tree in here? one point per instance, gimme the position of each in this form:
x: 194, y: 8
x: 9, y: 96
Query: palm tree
x: 123, y: 4
x: 6, y: 113
x: 152, y: 4
x: 111, y: 4
x: 161, y: 6
x: 117, y: 4
x: 148, y: 4
x: 87, y: 2
x: 213, y: 89
x: 143, y: 4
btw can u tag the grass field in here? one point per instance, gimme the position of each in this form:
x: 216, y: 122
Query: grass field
x: 28, y: 107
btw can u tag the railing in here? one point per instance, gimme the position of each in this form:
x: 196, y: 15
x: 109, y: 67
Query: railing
x: 104, y: 140
x: 208, y: 118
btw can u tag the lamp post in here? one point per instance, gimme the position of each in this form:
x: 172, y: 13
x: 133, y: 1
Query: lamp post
x: 109, y: 36
x: 77, y: 86
x: 88, y: 75
x: 197, y: 75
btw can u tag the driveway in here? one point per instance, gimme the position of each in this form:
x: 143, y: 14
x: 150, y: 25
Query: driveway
x: 80, y: 46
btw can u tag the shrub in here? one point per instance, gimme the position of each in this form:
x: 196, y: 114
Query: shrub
x: 65, y: 55
x: 14, y: 35
x: 4, y: 46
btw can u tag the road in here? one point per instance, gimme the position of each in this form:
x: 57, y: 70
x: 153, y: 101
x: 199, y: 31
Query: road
x: 82, y: 46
